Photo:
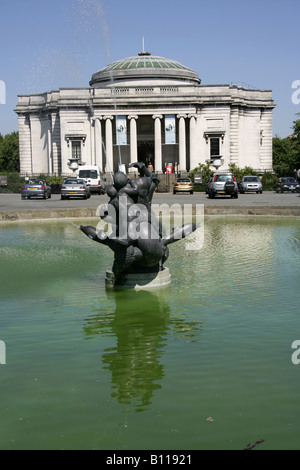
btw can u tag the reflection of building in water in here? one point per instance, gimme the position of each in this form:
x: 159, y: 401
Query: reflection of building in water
x: 140, y: 323
x: 167, y: 117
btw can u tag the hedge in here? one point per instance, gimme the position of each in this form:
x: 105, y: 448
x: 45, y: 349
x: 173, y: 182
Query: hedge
x: 15, y: 182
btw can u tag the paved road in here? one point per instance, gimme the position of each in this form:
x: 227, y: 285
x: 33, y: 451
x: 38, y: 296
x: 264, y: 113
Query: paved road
x: 14, y: 201
x: 12, y: 207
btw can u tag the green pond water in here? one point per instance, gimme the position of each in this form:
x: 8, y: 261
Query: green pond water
x: 203, y: 364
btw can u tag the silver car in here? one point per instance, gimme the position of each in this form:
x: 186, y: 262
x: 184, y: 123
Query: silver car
x: 75, y: 187
x: 250, y: 183
x: 223, y: 184
x: 35, y: 188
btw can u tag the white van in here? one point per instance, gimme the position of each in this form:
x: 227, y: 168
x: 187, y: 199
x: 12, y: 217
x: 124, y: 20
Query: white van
x: 92, y: 176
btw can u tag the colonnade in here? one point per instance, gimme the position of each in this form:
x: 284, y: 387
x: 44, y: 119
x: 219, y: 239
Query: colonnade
x: 106, y: 146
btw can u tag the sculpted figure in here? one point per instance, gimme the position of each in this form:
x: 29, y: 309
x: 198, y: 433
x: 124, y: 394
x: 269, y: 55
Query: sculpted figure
x: 144, y: 247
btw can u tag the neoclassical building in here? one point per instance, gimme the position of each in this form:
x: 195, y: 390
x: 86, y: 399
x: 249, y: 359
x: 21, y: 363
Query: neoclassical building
x: 145, y: 108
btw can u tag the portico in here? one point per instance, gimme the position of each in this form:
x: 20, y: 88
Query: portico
x: 145, y: 141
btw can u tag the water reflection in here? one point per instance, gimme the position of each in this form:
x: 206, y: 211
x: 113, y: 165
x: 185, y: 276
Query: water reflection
x: 128, y: 352
x: 141, y: 324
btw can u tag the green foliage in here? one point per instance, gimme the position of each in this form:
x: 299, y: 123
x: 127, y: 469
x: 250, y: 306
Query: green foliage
x: 286, y: 153
x: 240, y: 172
x: 51, y: 180
x: 268, y: 180
x: 206, y: 175
x: 14, y: 182
x: 9, y: 152
x: 55, y: 182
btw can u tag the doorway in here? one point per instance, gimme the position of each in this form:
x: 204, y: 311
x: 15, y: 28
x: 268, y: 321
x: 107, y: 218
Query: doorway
x: 146, y: 153
x: 145, y: 140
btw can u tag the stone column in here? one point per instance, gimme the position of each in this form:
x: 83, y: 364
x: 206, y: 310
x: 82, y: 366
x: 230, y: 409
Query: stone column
x: 50, y: 157
x: 234, y: 135
x: 109, y: 144
x: 193, y: 142
x: 157, y: 143
x: 266, y: 136
x: 133, y: 139
x: 182, y: 142
x: 56, y: 142
x: 25, y: 144
x: 39, y: 126
x: 98, y: 143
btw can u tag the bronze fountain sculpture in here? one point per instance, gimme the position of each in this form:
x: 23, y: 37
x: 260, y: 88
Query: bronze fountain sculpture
x: 138, y: 239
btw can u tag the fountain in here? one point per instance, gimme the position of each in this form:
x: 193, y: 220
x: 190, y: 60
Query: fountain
x: 105, y: 367
x: 138, y: 239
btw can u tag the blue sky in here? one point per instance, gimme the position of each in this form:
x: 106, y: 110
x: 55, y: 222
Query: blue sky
x: 50, y: 44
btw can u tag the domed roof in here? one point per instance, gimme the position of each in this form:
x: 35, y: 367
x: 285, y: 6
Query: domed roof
x: 144, y: 66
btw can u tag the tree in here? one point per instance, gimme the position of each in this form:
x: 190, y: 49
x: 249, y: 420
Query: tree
x: 240, y: 172
x: 9, y: 152
x: 286, y: 152
x: 204, y: 170
x: 295, y: 145
x: 281, y: 156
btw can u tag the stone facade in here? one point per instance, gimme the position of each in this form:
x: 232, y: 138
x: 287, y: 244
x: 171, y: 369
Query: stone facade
x: 210, y: 122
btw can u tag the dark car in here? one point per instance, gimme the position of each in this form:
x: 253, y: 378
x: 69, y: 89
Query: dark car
x: 287, y: 183
x: 35, y: 188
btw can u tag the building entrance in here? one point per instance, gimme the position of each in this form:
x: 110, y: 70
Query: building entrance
x: 145, y: 140
x: 146, y: 153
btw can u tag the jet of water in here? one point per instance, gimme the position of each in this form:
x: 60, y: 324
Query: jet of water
x: 91, y: 10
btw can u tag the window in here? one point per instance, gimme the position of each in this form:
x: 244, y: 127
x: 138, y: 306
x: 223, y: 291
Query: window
x: 251, y: 179
x: 214, y: 146
x: 224, y: 178
x: 76, y: 150
x: 88, y: 174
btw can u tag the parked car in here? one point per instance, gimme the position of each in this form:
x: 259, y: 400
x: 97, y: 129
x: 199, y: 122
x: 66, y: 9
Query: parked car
x: 287, y: 183
x: 92, y: 176
x: 207, y: 185
x: 35, y: 188
x: 183, y: 185
x: 75, y: 187
x: 250, y: 183
x: 223, y: 184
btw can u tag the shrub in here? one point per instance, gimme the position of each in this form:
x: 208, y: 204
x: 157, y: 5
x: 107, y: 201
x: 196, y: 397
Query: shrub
x: 14, y: 183
x: 206, y: 175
